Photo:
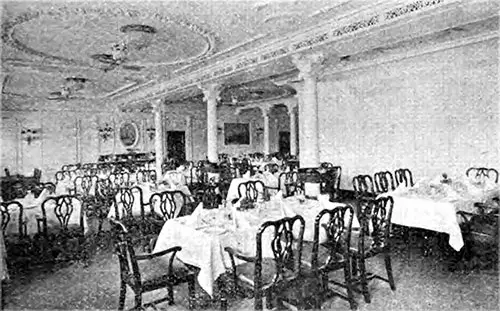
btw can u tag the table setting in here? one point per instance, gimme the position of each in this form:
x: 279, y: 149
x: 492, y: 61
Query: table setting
x: 205, y: 233
x: 433, y: 204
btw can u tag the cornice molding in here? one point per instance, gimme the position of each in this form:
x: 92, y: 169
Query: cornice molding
x: 406, y: 55
x: 331, y: 31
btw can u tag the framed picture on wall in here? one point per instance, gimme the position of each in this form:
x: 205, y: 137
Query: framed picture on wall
x: 236, y: 134
x: 129, y: 134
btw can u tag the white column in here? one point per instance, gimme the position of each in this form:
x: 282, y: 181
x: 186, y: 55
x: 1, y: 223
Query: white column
x: 265, y: 114
x: 291, y: 105
x: 157, y: 110
x: 78, y: 141
x: 211, y: 92
x: 189, y: 138
x: 308, y: 66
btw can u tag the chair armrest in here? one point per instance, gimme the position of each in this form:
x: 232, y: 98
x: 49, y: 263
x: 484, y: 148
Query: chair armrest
x: 174, y: 250
x: 234, y: 253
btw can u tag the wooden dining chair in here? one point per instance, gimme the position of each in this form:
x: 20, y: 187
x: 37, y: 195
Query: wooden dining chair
x: 403, y: 176
x: 290, y: 183
x: 252, y: 190
x: 146, y: 272
x: 374, y: 239
x: 270, y: 277
x: 482, y: 173
x: 17, y: 242
x: 333, y: 252
x: 363, y: 186
x: 330, y: 182
x: 169, y: 203
x: 384, y: 182
x: 64, y: 238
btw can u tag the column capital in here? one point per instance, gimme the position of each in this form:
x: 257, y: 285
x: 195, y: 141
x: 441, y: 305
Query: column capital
x: 265, y: 109
x: 309, y: 64
x: 157, y: 105
x: 211, y: 91
x: 291, y: 104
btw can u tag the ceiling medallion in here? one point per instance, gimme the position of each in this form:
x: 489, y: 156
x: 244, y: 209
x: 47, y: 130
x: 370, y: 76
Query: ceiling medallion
x: 131, y: 30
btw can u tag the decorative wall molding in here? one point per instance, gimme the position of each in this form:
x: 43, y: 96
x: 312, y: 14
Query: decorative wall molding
x: 332, y: 31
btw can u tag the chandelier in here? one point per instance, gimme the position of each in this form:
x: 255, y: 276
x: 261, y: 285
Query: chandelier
x: 119, y: 52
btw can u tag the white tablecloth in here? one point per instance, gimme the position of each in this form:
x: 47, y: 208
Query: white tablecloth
x: 204, y: 234
x: 427, y: 214
x: 32, y: 209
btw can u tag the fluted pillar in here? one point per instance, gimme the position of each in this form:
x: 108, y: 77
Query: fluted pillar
x: 308, y: 65
x: 291, y: 106
x: 211, y: 92
x: 158, y: 111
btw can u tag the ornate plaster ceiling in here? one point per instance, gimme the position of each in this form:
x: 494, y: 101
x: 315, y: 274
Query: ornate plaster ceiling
x: 44, y: 43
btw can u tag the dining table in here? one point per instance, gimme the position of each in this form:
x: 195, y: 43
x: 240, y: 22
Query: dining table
x: 205, y: 233
x: 433, y: 204
x: 32, y: 211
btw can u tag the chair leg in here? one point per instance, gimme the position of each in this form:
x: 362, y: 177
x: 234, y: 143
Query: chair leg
x: 191, y: 293
x: 269, y: 300
x: 364, y: 281
x: 318, y: 298
x: 123, y: 292
x: 138, y: 301
x: 349, y: 287
x: 388, y: 267
x: 170, y: 290
x: 354, y: 266
x: 258, y: 300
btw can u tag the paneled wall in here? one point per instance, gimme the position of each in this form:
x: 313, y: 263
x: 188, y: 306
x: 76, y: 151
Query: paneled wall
x: 433, y: 113
x: 72, y: 136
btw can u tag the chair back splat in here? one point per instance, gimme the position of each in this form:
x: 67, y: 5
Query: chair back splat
x: 384, y: 182
x: 169, y: 203
x: 252, y: 190
x: 403, y: 176
x: 480, y: 173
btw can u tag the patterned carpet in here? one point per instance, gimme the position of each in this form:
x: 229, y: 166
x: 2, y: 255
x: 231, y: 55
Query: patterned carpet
x: 424, y: 284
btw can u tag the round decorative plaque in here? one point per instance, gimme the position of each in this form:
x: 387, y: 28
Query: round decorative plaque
x: 129, y: 134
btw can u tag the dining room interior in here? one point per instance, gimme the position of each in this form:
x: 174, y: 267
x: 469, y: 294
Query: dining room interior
x: 250, y: 154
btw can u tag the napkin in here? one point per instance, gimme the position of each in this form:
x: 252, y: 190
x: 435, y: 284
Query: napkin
x: 240, y: 220
x: 193, y: 219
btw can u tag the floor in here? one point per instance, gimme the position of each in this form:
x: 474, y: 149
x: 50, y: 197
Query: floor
x: 425, y: 284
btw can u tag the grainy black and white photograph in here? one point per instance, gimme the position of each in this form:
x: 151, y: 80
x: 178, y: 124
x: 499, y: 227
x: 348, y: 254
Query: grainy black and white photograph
x: 250, y: 155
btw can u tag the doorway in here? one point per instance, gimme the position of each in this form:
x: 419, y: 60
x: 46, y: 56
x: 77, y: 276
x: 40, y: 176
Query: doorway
x: 176, y: 145
x: 284, y: 143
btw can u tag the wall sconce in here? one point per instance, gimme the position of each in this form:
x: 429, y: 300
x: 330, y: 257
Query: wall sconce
x: 259, y: 131
x: 106, y: 132
x: 220, y: 130
x: 151, y: 132
x: 30, y: 135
